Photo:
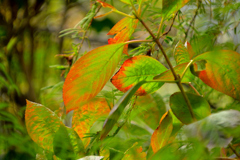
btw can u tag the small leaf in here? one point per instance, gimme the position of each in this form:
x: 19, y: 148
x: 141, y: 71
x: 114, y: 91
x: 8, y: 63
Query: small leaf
x: 41, y: 124
x: 135, y: 153
x: 190, y: 50
x: 181, y: 54
x: 126, y: 1
x: 162, y: 134
x: 200, y: 106
x: 213, y: 130
x: 118, y: 109
x: 89, y: 74
x: 222, y: 71
x: 179, y: 69
x: 137, y: 69
x: 171, y: 6
x: 104, y: 4
x: 123, y: 30
x: 85, y: 116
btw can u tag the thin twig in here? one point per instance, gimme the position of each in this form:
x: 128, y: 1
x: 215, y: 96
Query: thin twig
x: 193, y: 19
x: 165, y: 33
x: 190, y: 84
x: 234, y: 151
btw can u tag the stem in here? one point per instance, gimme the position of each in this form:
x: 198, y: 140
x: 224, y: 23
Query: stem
x: 137, y: 41
x: 185, y: 69
x: 124, y: 14
x: 234, y: 151
x: 159, y: 28
x: 176, y: 77
x: 190, y: 84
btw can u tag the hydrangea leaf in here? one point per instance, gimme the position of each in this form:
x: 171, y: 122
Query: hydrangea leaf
x: 41, y: 124
x: 161, y: 135
x: 123, y: 30
x: 85, y: 116
x: 137, y: 69
x: 200, y: 106
x: 221, y: 72
x: 89, y: 74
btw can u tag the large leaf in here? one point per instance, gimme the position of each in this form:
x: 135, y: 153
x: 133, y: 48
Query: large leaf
x: 222, y: 71
x: 216, y: 129
x: 179, y: 69
x: 163, y: 132
x: 171, y: 6
x: 85, y: 116
x: 200, y: 106
x: 41, y: 124
x: 123, y: 30
x: 89, y: 75
x: 137, y: 69
x: 118, y: 109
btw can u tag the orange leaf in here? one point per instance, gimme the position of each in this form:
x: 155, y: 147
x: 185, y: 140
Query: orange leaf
x: 85, y: 116
x: 104, y: 4
x: 123, y: 30
x: 161, y: 135
x: 41, y: 124
x: 89, y: 74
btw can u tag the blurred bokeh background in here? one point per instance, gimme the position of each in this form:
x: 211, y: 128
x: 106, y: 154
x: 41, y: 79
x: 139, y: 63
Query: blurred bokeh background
x: 33, y: 59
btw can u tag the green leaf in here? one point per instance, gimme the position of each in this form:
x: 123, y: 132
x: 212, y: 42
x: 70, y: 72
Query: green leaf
x: 41, y: 124
x: 136, y: 69
x: 179, y: 69
x: 161, y: 136
x: 200, y: 106
x: 89, y: 74
x: 171, y: 6
x: 62, y: 144
x: 215, y: 130
x: 126, y: 1
x: 222, y: 71
x: 118, y: 109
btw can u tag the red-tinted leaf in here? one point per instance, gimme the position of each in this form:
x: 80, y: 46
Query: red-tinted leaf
x: 162, y: 134
x: 104, y: 4
x: 89, y: 74
x: 222, y: 71
x: 123, y: 30
x: 41, y: 124
x: 137, y: 69
x: 85, y: 116
x: 200, y: 106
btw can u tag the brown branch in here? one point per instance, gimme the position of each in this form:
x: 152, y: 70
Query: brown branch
x: 234, y: 151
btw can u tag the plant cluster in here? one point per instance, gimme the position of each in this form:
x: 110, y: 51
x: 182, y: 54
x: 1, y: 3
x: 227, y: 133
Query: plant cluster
x: 107, y: 124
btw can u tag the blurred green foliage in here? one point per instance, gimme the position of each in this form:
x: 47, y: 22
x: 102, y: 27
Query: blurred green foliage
x: 30, y: 69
